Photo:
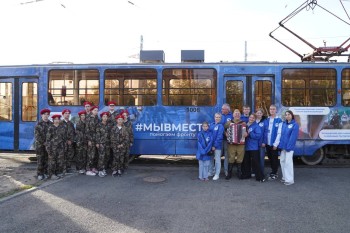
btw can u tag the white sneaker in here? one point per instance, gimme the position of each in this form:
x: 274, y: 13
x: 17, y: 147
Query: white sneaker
x: 226, y: 173
x: 94, y: 170
x: 90, y: 173
x: 216, y: 177
x: 40, y: 177
x: 104, y: 172
x: 82, y: 171
x: 101, y: 174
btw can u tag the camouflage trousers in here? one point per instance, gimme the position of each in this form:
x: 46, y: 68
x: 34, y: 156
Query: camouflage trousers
x: 56, y: 163
x: 81, y: 156
x: 42, y: 159
x: 118, y: 158
x: 91, y: 156
x: 127, y: 158
x: 103, y: 156
x: 69, y: 155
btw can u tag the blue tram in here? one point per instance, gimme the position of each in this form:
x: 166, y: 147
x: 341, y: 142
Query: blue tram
x: 168, y: 102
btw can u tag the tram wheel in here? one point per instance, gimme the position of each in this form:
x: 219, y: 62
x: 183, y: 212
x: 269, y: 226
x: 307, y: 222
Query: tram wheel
x: 315, y: 159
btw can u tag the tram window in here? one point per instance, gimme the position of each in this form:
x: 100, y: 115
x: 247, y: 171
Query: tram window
x: 73, y: 87
x: 131, y: 87
x: 345, y: 87
x: 308, y: 87
x: 234, y: 94
x: 29, y: 101
x: 189, y: 87
x: 262, y: 95
x: 5, y: 101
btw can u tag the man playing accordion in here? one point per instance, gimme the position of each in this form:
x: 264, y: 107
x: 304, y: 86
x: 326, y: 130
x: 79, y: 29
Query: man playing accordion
x: 236, y: 133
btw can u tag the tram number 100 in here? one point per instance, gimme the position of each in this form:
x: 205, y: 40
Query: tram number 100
x: 193, y: 109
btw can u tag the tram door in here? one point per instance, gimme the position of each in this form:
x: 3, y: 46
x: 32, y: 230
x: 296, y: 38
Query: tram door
x: 255, y: 91
x: 18, y: 112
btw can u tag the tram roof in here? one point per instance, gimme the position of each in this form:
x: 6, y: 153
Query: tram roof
x: 183, y: 64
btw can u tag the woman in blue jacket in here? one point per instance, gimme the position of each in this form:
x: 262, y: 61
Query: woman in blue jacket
x: 289, y: 136
x: 205, y: 142
x: 217, y: 129
x: 252, y: 150
x: 260, y: 120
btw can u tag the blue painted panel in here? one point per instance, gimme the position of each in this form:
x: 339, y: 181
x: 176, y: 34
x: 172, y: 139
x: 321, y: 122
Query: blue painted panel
x: 153, y: 147
x: 6, y: 136
x: 184, y: 147
x: 26, y: 136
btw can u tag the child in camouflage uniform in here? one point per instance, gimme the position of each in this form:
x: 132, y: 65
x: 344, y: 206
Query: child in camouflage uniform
x: 112, y: 113
x: 128, y: 126
x: 87, y: 106
x: 55, y: 145
x: 103, y: 144
x: 81, y: 143
x: 91, y: 124
x: 119, y: 144
x: 40, y: 139
x: 69, y: 153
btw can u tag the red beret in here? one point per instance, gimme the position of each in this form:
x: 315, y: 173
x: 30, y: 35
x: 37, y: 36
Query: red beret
x: 104, y: 113
x: 119, y: 116
x: 111, y: 103
x: 45, y: 110
x: 124, y: 111
x: 56, y: 116
x: 93, y: 107
x: 66, y: 110
x: 82, y: 112
x: 87, y: 103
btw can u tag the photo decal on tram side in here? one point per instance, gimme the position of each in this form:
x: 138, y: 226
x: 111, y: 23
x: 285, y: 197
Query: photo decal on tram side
x: 323, y: 123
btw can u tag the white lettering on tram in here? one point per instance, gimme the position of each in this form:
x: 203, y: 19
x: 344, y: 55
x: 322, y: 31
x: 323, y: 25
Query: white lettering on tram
x: 167, y: 127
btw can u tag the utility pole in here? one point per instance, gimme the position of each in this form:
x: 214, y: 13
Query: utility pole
x: 141, y: 47
x: 141, y: 43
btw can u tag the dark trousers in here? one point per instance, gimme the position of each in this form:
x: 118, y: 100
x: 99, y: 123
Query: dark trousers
x: 273, y: 158
x: 251, y: 160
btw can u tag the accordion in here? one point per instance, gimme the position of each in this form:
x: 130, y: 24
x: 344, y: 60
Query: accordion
x: 235, y: 133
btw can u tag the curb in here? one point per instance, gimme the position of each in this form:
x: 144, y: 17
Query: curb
x: 42, y: 186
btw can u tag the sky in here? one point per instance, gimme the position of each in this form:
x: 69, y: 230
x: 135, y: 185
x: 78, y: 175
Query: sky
x: 109, y: 31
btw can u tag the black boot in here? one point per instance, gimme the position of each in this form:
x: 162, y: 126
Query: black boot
x: 239, y: 170
x: 229, y: 172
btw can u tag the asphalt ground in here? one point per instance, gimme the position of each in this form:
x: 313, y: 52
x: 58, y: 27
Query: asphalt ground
x: 167, y: 198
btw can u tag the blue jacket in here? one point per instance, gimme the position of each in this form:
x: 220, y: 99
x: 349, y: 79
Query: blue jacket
x: 245, y: 118
x: 226, y: 118
x: 218, y: 134
x: 275, y: 137
x: 204, y: 147
x: 289, y: 135
x: 253, y: 138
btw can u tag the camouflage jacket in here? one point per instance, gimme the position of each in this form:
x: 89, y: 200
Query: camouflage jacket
x: 102, y: 133
x: 91, y: 125
x: 40, y: 132
x: 69, y: 130
x: 128, y: 126
x: 80, y: 132
x: 87, y: 117
x: 56, y: 135
x: 119, y: 136
x: 111, y: 119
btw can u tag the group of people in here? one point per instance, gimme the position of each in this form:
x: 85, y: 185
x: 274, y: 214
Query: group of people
x: 244, y: 140
x: 95, y: 144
